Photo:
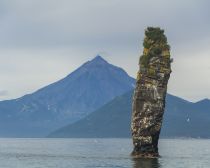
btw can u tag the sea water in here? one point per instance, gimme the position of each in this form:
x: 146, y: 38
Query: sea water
x: 100, y: 153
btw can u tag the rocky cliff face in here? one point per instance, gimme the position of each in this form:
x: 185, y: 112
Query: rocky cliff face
x: 150, y: 93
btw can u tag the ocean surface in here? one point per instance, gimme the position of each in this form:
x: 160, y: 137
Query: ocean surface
x: 100, y: 153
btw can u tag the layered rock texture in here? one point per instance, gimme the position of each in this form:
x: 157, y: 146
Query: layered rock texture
x: 149, y: 96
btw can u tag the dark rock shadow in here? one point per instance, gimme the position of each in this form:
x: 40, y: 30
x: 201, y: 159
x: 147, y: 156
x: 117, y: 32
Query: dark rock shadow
x: 146, y: 163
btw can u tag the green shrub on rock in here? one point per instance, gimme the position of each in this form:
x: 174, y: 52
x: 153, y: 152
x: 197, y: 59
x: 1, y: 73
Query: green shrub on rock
x: 155, y: 42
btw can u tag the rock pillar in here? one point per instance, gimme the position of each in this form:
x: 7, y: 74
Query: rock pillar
x: 150, y: 92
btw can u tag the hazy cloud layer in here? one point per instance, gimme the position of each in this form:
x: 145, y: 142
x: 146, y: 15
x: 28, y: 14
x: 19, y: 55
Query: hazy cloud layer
x: 43, y: 41
x: 3, y: 93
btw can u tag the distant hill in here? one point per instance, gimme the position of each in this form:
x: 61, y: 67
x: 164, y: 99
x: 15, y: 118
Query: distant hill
x: 181, y: 119
x: 86, y: 89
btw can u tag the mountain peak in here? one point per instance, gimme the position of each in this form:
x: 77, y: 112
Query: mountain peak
x: 98, y: 59
x: 206, y: 100
x: 96, y: 62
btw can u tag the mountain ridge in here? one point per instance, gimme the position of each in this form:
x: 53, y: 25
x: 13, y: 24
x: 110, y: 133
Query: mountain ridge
x: 80, y: 93
x: 84, y: 90
x: 181, y: 119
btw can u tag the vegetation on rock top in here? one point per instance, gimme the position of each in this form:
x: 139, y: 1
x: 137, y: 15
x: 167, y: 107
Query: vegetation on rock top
x: 155, y: 44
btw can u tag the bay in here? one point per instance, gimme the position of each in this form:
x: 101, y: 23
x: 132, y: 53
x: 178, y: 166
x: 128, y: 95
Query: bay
x: 100, y: 153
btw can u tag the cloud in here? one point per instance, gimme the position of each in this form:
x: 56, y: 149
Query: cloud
x: 46, y: 23
x: 3, y: 93
x: 42, y: 41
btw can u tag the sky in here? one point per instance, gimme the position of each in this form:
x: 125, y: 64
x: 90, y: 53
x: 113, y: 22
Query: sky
x: 42, y: 41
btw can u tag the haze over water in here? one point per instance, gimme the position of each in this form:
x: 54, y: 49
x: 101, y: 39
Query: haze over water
x: 100, y: 153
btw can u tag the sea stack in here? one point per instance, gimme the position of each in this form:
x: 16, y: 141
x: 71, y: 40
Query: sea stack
x: 150, y: 92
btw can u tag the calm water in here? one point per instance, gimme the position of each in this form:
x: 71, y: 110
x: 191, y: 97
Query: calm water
x: 100, y: 153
